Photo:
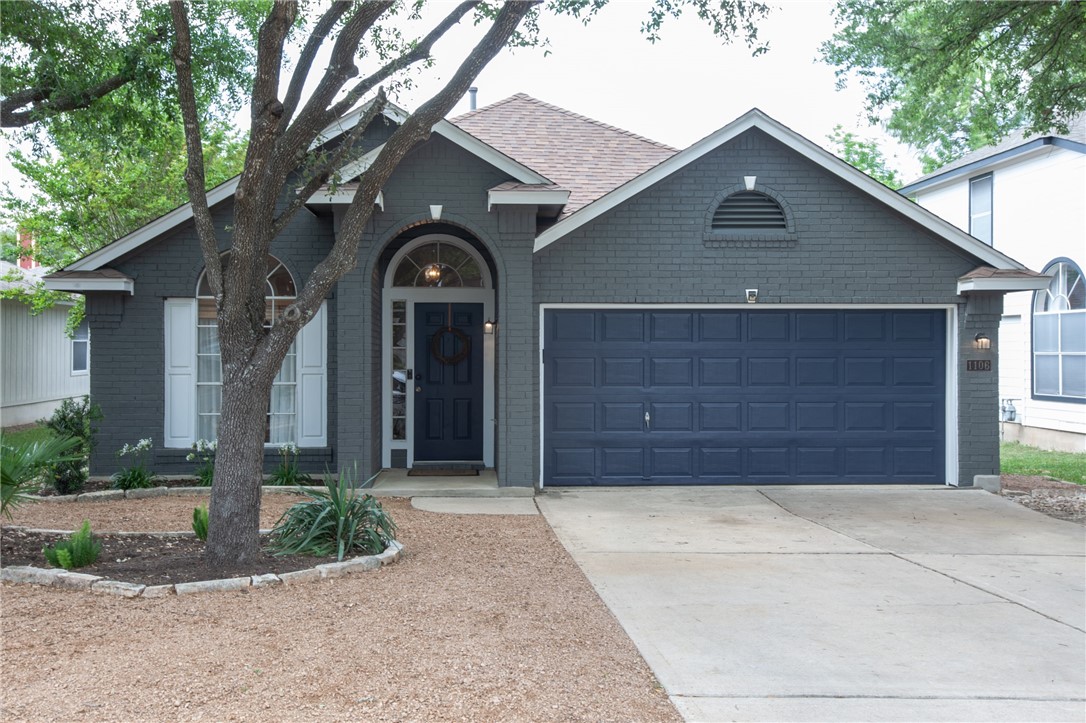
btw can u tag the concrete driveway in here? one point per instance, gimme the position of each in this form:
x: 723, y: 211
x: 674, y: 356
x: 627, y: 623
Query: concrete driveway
x: 831, y: 603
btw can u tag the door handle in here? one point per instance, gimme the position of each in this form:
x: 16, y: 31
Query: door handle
x: 647, y: 420
x: 418, y: 389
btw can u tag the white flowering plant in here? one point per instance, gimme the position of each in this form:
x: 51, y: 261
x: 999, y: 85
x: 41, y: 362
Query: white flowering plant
x: 204, y: 451
x: 135, y: 476
x: 287, y: 473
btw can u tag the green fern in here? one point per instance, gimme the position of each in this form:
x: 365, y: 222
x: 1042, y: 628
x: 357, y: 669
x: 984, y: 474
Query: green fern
x: 79, y: 550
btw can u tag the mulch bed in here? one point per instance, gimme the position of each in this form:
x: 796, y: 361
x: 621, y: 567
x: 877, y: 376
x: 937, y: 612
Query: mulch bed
x: 146, y: 559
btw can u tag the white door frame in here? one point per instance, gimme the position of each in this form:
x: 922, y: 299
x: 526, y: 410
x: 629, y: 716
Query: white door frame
x: 415, y: 295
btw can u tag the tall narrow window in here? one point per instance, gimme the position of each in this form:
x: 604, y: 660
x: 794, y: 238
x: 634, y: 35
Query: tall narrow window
x: 980, y: 208
x: 81, y: 349
x: 1059, y: 335
x: 282, y: 408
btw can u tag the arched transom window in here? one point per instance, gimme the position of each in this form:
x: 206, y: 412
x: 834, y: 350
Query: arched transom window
x: 281, y: 424
x: 439, y: 264
x: 1059, y: 334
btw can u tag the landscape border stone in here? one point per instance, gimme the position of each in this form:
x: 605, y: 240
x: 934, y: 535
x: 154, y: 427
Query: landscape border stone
x: 49, y: 577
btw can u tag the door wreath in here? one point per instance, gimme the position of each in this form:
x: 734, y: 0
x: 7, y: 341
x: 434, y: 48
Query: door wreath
x: 436, y: 344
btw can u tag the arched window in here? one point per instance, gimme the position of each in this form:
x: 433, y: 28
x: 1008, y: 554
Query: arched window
x: 1059, y: 334
x: 749, y: 211
x: 281, y: 425
x: 439, y: 264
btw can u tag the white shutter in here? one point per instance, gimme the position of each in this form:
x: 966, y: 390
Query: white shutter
x: 180, y: 328
x: 313, y: 381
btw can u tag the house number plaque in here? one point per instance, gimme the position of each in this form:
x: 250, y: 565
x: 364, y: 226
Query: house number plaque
x: 978, y: 365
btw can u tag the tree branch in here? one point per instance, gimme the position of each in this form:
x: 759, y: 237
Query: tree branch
x: 44, y: 104
x: 194, y: 172
x: 419, y: 52
x: 416, y: 128
x: 309, y: 53
x: 330, y: 165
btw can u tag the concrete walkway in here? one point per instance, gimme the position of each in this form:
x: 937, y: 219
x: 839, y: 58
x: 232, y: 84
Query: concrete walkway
x: 805, y: 604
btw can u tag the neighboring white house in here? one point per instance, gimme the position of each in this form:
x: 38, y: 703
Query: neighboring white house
x: 1026, y: 197
x: 39, y: 365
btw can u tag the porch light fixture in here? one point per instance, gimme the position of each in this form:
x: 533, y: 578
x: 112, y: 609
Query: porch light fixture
x: 489, y: 325
x: 432, y: 273
x: 982, y: 342
x: 752, y: 295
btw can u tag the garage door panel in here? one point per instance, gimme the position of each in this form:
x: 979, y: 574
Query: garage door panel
x: 806, y: 404
x: 623, y: 372
x: 719, y: 326
x: 672, y: 326
x: 768, y: 326
x: 720, y: 371
x: 768, y: 371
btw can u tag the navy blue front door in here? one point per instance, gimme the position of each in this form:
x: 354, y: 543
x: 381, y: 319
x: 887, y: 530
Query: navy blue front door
x: 448, y: 383
x: 743, y: 397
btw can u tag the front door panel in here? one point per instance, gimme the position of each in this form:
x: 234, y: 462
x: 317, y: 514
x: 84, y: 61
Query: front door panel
x: 448, y: 384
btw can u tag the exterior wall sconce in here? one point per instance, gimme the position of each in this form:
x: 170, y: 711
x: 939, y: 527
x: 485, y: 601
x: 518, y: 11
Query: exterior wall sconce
x: 982, y: 342
x: 489, y: 326
x: 752, y: 295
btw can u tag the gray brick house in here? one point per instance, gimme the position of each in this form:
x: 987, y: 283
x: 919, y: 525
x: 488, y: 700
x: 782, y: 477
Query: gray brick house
x: 571, y: 304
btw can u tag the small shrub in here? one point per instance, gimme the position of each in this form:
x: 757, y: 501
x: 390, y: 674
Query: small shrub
x: 336, y: 521
x: 199, y: 522
x: 205, y: 452
x: 287, y: 473
x: 137, y: 476
x: 79, y: 550
x: 21, y: 466
x: 73, y: 418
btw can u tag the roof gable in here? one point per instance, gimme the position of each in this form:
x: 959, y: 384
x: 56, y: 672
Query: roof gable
x: 126, y: 244
x: 804, y: 148
x: 585, y: 156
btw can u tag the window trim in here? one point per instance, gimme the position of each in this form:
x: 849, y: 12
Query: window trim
x: 76, y: 340
x: 1053, y: 264
x: 991, y: 205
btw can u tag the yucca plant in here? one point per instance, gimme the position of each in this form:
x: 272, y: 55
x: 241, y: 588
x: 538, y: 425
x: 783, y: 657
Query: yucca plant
x: 21, y: 464
x: 334, y: 521
x: 79, y: 550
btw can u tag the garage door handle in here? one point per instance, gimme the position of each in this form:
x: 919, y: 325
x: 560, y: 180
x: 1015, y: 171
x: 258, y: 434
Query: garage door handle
x: 647, y: 420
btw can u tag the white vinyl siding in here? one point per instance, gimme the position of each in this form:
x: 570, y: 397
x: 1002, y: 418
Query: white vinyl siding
x: 36, y: 356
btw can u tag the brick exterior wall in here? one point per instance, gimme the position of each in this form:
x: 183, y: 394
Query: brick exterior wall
x: 841, y: 247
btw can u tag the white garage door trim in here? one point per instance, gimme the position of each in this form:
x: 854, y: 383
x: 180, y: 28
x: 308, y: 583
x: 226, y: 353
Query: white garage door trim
x: 951, y: 472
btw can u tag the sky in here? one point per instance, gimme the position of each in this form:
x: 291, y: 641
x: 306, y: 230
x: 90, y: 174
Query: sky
x: 676, y: 91
x: 686, y: 85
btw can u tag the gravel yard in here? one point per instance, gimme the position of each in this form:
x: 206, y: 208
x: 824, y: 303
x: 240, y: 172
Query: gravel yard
x: 486, y: 618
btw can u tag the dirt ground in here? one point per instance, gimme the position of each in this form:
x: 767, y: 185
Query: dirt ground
x: 485, y: 619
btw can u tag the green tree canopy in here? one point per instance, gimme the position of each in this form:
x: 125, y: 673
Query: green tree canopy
x: 864, y: 154
x: 949, y: 77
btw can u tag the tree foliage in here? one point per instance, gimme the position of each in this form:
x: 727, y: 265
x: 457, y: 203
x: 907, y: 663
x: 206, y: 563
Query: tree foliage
x: 292, y: 99
x: 864, y: 154
x: 58, y: 56
x: 949, y: 77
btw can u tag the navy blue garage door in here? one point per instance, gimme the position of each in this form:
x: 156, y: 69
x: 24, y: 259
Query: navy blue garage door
x: 743, y: 397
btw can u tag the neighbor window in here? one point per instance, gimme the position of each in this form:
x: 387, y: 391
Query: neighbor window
x: 980, y: 208
x: 81, y: 348
x: 280, y: 427
x: 1059, y: 335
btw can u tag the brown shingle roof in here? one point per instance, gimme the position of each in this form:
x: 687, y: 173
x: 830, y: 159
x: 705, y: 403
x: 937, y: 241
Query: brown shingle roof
x: 583, y: 155
x: 987, y: 272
